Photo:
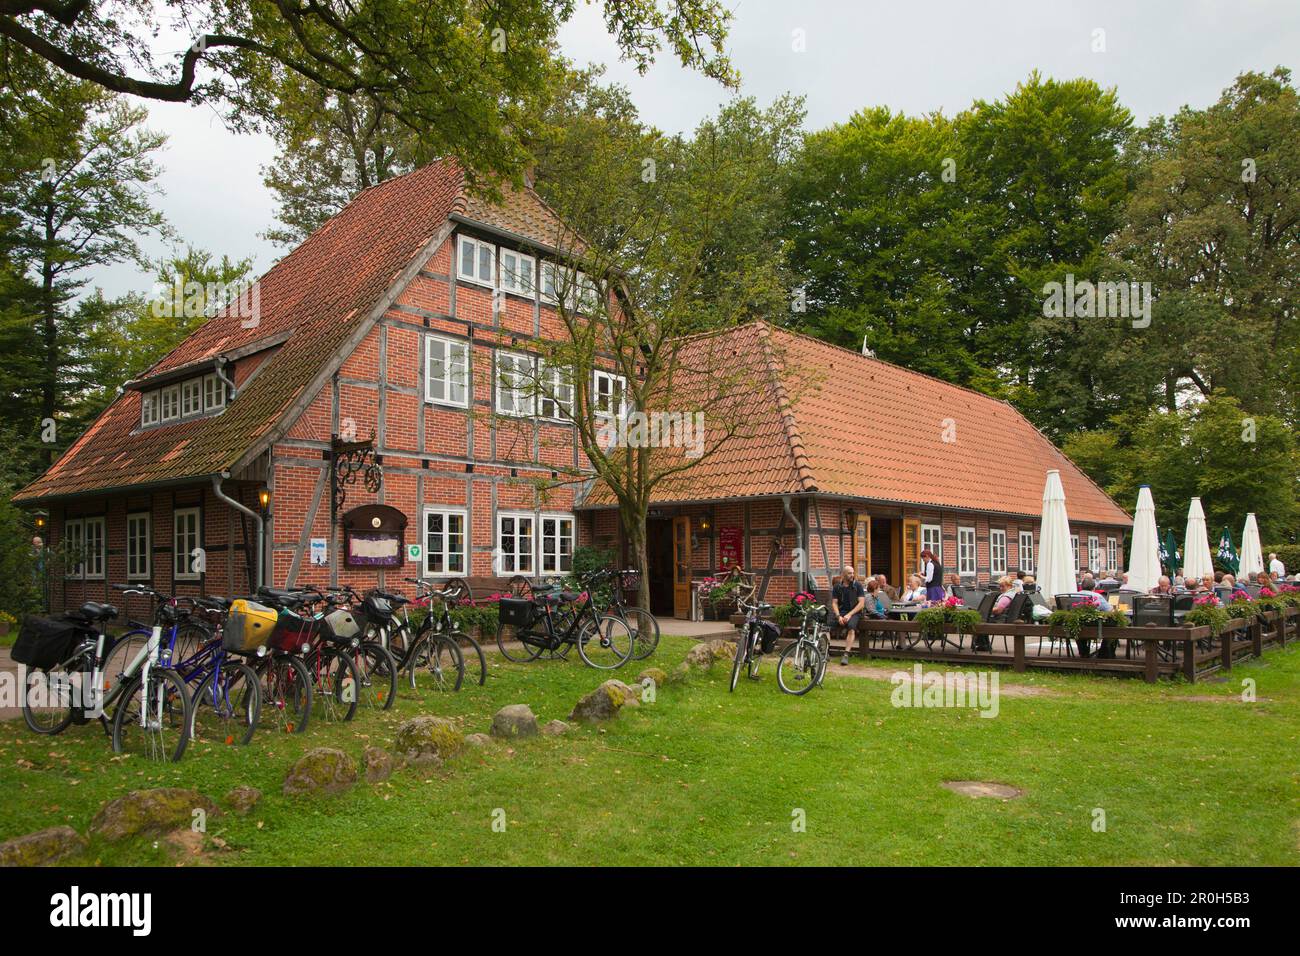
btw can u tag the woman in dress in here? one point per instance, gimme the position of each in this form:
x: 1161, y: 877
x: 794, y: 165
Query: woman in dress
x: 932, y: 575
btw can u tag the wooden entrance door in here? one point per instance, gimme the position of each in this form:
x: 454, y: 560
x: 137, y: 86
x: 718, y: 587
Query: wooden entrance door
x: 911, y: 549
x: 682, y: 566
x: 862, y: 547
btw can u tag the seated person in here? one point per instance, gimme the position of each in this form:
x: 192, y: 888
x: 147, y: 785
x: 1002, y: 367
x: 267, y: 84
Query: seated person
x: 877, y: 600
x: 1006, y: 585
x: 1205, y: 585
x: 915, y: 589
x: 1088, y: 586
x: 848, y: 597
x: 1109, y: 581
x: 886, y: 589
x: 1164, y: 586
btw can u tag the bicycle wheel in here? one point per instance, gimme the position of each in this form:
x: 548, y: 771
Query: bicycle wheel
x: 606, y: 643
x: 519, y: 645
x: 153, y: 720
x: 742, y: 654
x: 797, y: 670
x: 521, y: 587
x: 441, y: 659
x: 400, y: 642
x: 337, y: 684
x: 823, y: 649
x: 645, y: 629
x: 287, y: 693
x: 120, y: 655
x: 49, y: 700
x: 226, y: 709
x: 477, y: 648
x: 378, y: 673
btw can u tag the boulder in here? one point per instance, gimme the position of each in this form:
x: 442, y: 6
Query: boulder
x: 654, y: 674
x: 478, y: 740
x: 41, y: 847
x: 379, y: 764
x: 555, y: 728
x: 723, y: 650
x: 150, y: 811
x: 701, y: 655
x: 321, y: 770
x: 242, y: 799
x: 680, y: 673
x: 604, y: 702
x: 514, y: 721
x: 428, y: 736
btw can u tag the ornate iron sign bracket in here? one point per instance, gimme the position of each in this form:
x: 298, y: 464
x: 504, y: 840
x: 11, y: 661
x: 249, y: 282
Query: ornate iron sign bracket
x: 350, y: 462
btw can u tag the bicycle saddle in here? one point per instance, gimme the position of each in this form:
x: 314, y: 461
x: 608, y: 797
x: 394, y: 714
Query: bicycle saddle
x: 92, y: 611
x: 215, y: 600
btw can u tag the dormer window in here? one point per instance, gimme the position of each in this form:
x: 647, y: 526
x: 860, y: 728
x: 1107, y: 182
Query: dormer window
x: 148, y: 409
x: 517, y: 272
x: 191, y: 397
x: 477, y: 261
x: 214, y: 393
x: 171, y: 403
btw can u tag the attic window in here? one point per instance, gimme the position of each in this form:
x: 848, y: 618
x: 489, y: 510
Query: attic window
x: 188, y: 399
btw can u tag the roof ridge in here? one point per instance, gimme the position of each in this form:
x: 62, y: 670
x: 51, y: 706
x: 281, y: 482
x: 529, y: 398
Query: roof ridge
x: 798, y: 453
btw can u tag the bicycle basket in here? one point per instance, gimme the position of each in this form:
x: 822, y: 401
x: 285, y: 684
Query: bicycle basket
x: 290, y: 633
x: 248, y: 627
x: 45, y: 642
x: 630, y: 580
x: 516, y: 612
x: 340, y: 626
x: 377, y: 609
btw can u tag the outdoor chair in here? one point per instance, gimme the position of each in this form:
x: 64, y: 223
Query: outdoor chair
x: 1016, y: 612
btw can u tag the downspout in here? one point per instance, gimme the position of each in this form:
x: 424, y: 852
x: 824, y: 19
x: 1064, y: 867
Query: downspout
x: 222, y: 361
x: 244, y: 509
x: 803, y: 545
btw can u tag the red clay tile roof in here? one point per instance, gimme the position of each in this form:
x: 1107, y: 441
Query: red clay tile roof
x: 836, y: 422
x: 323, y: 290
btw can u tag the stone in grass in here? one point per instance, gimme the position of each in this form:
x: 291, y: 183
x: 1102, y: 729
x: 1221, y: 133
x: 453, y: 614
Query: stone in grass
x: 723, y: 650
x: 555, y: 728
x: 681, y: 673
x: 426, y: 740
x: 701, y: 655
x: 604, y: 702
x: 983, y: 788
x: 654, y: 674
x: 514, y: 722
x: 41, y: 847
x: 242, y: 799
x: 321, y: 770
x: 478, y: 740
x: 149, y: 811
x: 379, y: 764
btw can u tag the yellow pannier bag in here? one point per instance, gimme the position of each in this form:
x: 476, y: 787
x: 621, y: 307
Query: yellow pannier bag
x: 248, y: 626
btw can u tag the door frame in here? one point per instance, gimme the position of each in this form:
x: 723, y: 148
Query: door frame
x: 682, y: 566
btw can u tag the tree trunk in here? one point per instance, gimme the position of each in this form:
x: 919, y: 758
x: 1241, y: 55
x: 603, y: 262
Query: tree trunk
x: 633, y: 517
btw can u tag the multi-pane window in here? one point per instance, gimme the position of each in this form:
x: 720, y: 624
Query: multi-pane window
x: 74, y: 539
x: 515, y: 390
x: 191, y: 397
x: 445, y: 548
x: 932, y: 540
x: 446, y: 378
x: 557, y: 544
x: 171, y: 403
x: 187, y: 565
x: 1027, y: 552
x: 515, y: 543
x: 556, y: 398
x: 1094, y: 553
x: 1074, y: 549
x: 138, y: 541
x: 84, y: 539
x: 1112, y: 555
x: 997, y: 551
x: 477, y: 260
x: 965, y: 550
x: 549, y: 282
x: 214, y: 393
x: 609, y: 394
x: 149, y: 408
x: 517, y: 272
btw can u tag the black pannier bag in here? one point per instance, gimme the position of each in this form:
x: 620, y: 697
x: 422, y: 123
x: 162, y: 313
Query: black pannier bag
x: 768, y: 634
x: 340, y: 626
x: 377, y: 609
x: 45, y: 642
x: 516, y: 612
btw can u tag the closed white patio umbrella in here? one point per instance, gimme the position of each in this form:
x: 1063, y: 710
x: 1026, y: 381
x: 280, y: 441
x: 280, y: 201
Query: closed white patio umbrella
x: 1197, y: 562
x: 1055, y: 560
x: 1144, y: 553
x: 1252, y: 554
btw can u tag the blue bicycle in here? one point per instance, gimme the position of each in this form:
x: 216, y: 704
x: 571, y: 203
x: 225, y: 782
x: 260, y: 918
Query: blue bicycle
x: 226, y: 692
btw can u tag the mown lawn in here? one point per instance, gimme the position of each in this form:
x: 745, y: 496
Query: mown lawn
x: 702, y: 776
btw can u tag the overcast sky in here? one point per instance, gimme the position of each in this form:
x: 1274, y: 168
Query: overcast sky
x: 914, y: 56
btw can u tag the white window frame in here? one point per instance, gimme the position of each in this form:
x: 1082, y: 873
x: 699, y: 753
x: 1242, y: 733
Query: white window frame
x: 597, y: 377
x: 548, y: 273
x: 1027, y: 552
x: 1074, y: 546
x: 446, y: 553
x: 1094, y: 553
x: 214, y: 392
x: 95, y: 556
x: 150, y: 408
x: 932, y: 538
x: 997, y: 551
x: 74, y: 537
x: 191, y: 397
x: 475, y: 275
x: 556, y: 381
x: 515, y: 278
x: 510, y: 562
x: 1112, y: 555
x: 174, y: 393
x: 181, y: 551
x: 133, y: 557
x: 966, y: 542
x: 523, y: 402
x: 556, y: 554
x: 440, y: 391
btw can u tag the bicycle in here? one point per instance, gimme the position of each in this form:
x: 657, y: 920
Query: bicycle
x: 332, y: 672
x: 376, y: 666
x: 802, y: 665
x: 151, y: 697
x: 227, y: 692
x: 644, y: 625
x: 603, y: 641
x: 757, y: 637
x: 436, y: 645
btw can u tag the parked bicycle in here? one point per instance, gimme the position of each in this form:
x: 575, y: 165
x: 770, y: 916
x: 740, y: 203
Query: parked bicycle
x: 334, y: 679
x: 757, y: 637
x: 226, y: 692
x: 438, y: 646
x: 802, y: 665
x: 555, y: 621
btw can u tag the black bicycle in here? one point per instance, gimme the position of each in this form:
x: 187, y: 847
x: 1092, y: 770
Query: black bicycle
x: 757, y: 637
x: 802, y: 665
x: 556, y: 621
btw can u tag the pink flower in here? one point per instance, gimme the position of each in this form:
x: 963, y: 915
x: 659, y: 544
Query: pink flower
x: 1267, y: 592
x: 1208, y: 600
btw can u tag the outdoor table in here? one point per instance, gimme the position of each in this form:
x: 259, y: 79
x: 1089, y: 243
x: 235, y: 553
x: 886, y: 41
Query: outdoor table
x: 906, y: 611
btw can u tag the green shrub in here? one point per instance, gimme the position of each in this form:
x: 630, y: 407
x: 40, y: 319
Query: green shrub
x: 1288, y: 554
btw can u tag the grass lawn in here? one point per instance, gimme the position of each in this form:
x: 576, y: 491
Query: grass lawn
x: 702, y: 776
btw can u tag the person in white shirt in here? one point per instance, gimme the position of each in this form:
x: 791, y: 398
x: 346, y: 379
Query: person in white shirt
x: 915, y: 590
x: 1276, y: 569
